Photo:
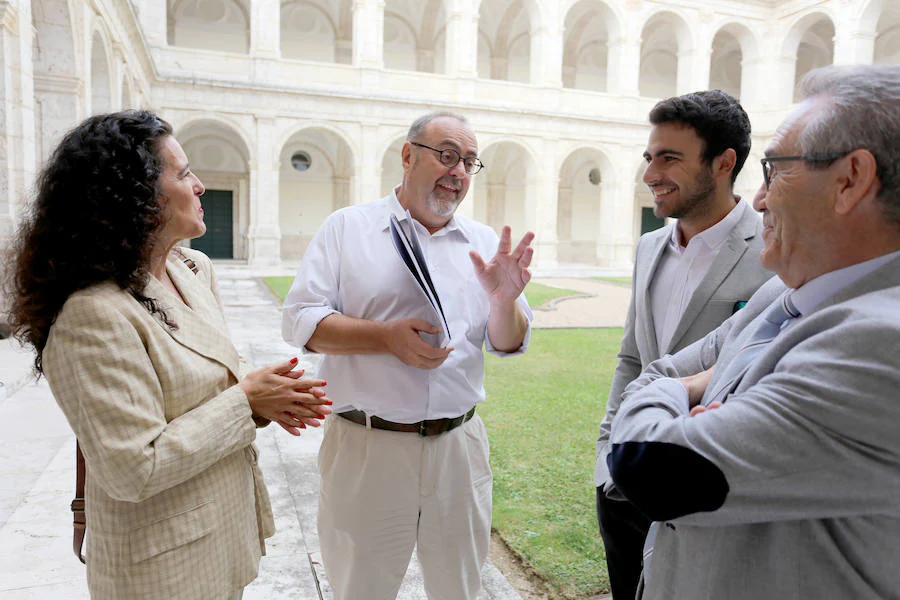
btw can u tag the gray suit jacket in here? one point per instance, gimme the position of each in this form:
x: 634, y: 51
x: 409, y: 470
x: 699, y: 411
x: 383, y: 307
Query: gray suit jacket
x: 734, y: 276
x: 791, y: 490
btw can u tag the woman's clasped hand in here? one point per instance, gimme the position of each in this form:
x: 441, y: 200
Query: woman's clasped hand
x: 279, y: 393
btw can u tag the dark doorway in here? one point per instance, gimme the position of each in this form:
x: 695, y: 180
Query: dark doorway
x: 649, y: 221
x: 217, y: 242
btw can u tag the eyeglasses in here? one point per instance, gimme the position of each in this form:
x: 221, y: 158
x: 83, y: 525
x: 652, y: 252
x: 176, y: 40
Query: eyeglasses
x: 768, y: 168
x: 450, y: 158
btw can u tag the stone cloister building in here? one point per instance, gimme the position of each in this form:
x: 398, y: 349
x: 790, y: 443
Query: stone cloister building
x: 291, y: 109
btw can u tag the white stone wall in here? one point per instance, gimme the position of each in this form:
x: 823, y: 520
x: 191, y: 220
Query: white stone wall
x: 554, y: 90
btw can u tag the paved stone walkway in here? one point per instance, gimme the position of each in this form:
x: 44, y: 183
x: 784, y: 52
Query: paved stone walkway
x: 37, y: 460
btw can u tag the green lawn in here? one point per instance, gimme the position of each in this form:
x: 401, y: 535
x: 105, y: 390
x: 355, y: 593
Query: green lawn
x: 280, y: 286
x: 536, y: 293
x: 625, y: 280
x: 542, y: 413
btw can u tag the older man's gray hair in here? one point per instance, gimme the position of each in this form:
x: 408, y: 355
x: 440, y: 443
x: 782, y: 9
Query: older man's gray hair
x: 862, y: 110
x: 415, y: 130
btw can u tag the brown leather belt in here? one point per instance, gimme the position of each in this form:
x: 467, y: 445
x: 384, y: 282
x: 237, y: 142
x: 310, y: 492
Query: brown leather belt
x: 423, y: 428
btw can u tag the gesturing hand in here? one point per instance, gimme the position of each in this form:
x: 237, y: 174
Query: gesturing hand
x: 505, y: 276
x: 403, y: 341
x: 278, y: 393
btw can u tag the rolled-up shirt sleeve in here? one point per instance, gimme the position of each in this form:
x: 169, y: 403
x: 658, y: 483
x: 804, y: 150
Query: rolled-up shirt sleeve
x: 529, y: 317
x: 314, y: 294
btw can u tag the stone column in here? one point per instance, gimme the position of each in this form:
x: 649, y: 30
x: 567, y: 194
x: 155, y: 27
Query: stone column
x: 265, y: 28
x: 461, y: 46
x: 153, y: 18
x: 368, y: 34
x: 546, y: 55
x: 624, y: 64
x: 693, y: 70
x: 425, y: 60
x: 852, y: 45
x: 264, y: 234
x: 499, y: 65
x: 341, y: 191
x: 544, y: 207
x: 9, y: 66
x: 617, y: 239
x: 17, y: 128
x: 367, y: 182
x: 564, y: 222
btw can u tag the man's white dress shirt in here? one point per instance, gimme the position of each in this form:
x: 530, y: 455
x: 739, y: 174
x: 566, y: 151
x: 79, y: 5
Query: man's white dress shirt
x: 682, y: 268
x: 351, y: 267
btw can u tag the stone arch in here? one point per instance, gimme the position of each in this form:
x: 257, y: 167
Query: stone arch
x: 306, y: 197
x: 505, y: 190
x: 310, y: 30
x: 590, y: 26
x: 219, y: 155
x: 508, y: 28
x: 732, y: 46
x: 585, y: 194
x: 57, y: 85
x: 221, y: 25
x: 811, y: 41
x: 412, y: 30
x: 665, y: 38
x: 101, y: 74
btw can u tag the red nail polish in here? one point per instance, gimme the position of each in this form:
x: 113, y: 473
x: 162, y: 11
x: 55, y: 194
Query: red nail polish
x: 320, y: 416
x: 294, y: 361
x: 302, y: 425
x: 329, y: 402
x: 324, y: 383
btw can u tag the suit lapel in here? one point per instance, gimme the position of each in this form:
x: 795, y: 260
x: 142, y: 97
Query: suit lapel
x: 201, y: 327
x: 645, y: 319
x: 728, y: 256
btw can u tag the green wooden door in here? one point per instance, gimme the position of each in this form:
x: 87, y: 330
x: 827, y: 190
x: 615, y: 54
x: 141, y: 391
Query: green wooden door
x: 217, y: 242
x: 649, y: 221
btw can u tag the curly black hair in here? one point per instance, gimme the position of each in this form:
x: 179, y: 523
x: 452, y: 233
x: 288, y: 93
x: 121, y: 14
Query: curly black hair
x: 95, y: 219
x: 717, y: 117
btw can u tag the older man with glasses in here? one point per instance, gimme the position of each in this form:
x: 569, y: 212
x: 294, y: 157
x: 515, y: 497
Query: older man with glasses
x: 404, y: 462
x: 767, y: 452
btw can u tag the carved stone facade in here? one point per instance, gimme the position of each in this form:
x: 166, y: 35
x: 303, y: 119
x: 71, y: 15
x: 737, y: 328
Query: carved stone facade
x: 558, y: 93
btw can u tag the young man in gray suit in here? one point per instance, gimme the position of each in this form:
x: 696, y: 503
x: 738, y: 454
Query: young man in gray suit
x: 790, y: 487
x: 688, y: 277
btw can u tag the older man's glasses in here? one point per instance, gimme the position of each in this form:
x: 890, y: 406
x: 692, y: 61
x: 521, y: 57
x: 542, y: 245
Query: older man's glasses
x: 450, y: 158
x: 769, y: 169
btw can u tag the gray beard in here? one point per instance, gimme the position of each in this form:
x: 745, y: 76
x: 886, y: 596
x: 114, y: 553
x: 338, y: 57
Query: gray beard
x: 442, y: 209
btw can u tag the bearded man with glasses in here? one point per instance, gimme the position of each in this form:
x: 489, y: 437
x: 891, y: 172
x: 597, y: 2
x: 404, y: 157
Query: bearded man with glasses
x: 767, y: 452
x: 404, y: 461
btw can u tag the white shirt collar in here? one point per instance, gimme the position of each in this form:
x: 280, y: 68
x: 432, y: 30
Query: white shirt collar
x: 714, y: 236
x: 393, y: 206
x: 812, y: 293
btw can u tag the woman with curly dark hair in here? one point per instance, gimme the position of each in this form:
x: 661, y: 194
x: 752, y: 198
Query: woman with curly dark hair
x: 129, y: 331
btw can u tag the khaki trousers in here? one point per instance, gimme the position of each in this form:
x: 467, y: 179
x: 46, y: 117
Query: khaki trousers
x: 384, y: 492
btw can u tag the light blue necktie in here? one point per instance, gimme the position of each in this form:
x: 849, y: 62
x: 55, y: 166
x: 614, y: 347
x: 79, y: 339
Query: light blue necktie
x: 781, y: 310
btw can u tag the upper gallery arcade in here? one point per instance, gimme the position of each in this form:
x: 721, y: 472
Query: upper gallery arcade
x: 290, y: 109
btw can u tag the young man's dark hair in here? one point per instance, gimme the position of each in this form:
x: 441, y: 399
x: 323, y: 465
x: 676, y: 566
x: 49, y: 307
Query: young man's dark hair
x: 718, y: 119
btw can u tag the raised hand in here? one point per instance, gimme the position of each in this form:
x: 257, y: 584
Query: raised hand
x: 506, y: 274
